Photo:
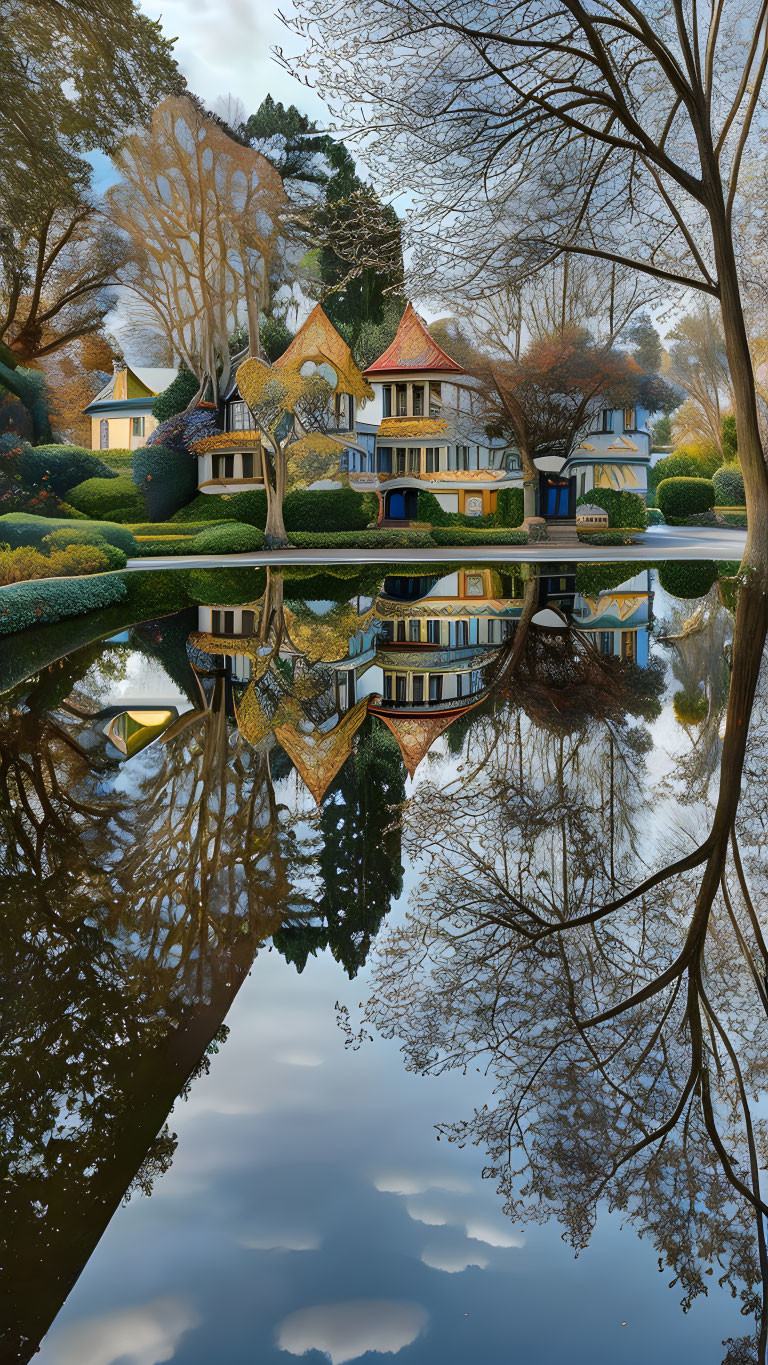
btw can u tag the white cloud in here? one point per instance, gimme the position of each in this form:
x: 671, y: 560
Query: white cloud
x: 430, y: 1210
x: 411, y: 1182
x: 146, y: 1335
x: 281, y: 1239
x: 346, y: 1331
x: 436, y: 1211
x: 452, y: 1259
x: 494, y: 1232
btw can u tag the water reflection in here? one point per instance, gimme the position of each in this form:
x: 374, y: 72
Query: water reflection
x: 270, y: 776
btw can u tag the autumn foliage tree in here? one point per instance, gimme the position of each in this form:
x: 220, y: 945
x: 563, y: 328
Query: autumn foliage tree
x: 202, y: 214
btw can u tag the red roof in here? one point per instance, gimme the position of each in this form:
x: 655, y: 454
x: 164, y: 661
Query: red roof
x: 414, y: 349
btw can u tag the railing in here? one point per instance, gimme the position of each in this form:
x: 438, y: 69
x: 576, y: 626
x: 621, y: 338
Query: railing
x: 424, y: 707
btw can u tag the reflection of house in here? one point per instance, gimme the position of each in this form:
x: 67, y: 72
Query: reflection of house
x: 121, y: 413
x: 618, y: 620
x: 423, y: 431
x: 232, y: 461
x: 435, y: 651
x: 131, y: 731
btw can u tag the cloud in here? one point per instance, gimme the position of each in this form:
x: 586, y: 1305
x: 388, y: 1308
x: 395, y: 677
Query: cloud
x: 411, y: 1182
x: 493, y: 1231
x: 281, y: 1239
x: 453, y: 1259
x: 436, y: 1211
x: 346, y: 1331
x: 430, y: 1210
x: 146, y: 1335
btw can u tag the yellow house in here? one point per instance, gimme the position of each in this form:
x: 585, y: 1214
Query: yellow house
x: 121, y: 414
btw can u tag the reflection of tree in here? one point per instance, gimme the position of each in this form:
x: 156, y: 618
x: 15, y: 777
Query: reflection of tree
x: 698, y: 642
x: 358, y: 861
x: 130, y: 922
x: 625, y: 1032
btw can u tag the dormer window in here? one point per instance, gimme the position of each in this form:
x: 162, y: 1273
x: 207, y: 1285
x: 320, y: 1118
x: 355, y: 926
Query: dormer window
x: 237, y: 417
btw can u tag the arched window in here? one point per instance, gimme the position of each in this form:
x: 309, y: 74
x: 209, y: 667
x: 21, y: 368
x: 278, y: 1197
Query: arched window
x: 104, y: 434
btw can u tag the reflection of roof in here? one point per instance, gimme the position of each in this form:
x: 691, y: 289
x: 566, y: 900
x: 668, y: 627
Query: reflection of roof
x: 317, y: 340
x: 326, y: 639
x: 253, y: 724
x: 416, y: 734
x: 318, y: 756
x: 414, y: 349
x: 413, y: 427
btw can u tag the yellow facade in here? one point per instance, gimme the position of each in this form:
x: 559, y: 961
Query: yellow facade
x: 119, y: 431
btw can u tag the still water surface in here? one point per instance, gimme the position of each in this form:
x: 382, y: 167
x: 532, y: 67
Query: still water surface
x: 332, y: 923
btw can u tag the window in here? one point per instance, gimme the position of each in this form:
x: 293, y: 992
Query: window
x: 103, y: 434
x: 400, y: 460
x: 137, y: 426
x: 402, y: 399
x: 388, y: 686
x: 630, y: 420
x: 433, y: 459
x: 248, y: 622
x: 418, y: 689
x: 414, y: 632
x: 401, y: 682
x: 223, y: 622
x: 401, y: 631
x: 433, y: 632
x: 462, y: 634
x: 628, y: 644
x: 606, y: 642
x: 435, y: 398
x: 413, y: 460
x: 418, y: 400
x: 460, y: 681
x: 607, y: 419
x: 387, y: 400
x: 248, y: 464
x: 462, y: 457
x: 385, y: 459
x: 436, y: 687
x: 223, y: 466
x: 237, y: 417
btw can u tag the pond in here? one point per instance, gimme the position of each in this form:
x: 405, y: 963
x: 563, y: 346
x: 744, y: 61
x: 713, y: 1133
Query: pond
x: 384, y: 971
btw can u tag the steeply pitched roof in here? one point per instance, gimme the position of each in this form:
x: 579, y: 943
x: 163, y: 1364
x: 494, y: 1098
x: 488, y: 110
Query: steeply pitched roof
x: 416, y: 734
x: 319, y: 755
x: 317, y: 340
x: 152, y: 380
x: 414, y: 349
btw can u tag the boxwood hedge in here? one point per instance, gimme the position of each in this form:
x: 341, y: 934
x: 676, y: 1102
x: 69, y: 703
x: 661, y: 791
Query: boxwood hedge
x: 61, y: 467
x: 465, y: 535
x: 385, y: 538
x: 229, y: 539
x: 22, y: 528
x: 623, y: 508
x: 683, y: 497
x: 113, y: 499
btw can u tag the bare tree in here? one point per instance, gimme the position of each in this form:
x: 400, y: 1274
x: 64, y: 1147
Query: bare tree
x: 203, y: 216
x: 699, y: 364
x: 534, y: 131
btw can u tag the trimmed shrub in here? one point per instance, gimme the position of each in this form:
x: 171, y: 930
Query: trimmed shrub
x: 604, y: 537
x: 379, y: 539
x: 430, y: 510
x: 509, y: 507
x: 623, y: 508
x: 332, y: 509
x: 226, y: 587
x: 229, y: 539
x: 688, y: 578
x: 164, y: 545
x: 249, y: 507
x: 21, y: 528
x: 33, y: 604
x: 465, y: 535
x: 166, y: 478
x: 683, y: 464
x: 60, y: 539
x: 16, y: 566
x: 176, y: 397
x: 728, y: 482
x: 61, y: 467
x: 371, y: 508
x: 592, y: 579
x: 114, y: 499
x: 171, y: 528
x: 119, y: 460
x: 682, y: 497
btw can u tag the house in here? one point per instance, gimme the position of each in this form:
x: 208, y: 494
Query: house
x: 231, y: 462
x: 121, y: 413
x: 422, y: 431
x: 614, y: 453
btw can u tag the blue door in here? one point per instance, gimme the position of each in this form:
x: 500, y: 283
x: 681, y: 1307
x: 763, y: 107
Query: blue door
x: 397, y: 505
x: 556, y: 499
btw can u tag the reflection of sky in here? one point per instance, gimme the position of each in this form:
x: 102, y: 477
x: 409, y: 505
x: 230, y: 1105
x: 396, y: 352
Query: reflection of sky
x: 310, y: 1211
x: 308, y: 1181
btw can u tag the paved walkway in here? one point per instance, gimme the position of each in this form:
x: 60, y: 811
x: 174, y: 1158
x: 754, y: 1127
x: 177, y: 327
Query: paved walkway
x: 659, y: 542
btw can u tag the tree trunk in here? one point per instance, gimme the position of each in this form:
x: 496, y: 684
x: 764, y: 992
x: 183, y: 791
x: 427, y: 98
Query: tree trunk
x: 275, y: 537
x: 744, y: 400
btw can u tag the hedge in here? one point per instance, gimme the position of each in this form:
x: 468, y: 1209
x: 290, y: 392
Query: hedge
x: 683, y: 465
x: 509, y: 507
x: 63, y: 537
x: 464, y: 535
x: 163, y: 545
x: 226, y: 587
x: 250, y: 507
x: 623, y: 508
x: 113, y: 499
x: 509, y: 511
x: 167, y: 479
x: 655, y: 516
x: 30, y: 604
x: 332, y: 509
x: 230, y: 539
x: 69, y: 561
x: 22, y: 528
x: 728, y: 483
x: 604, y: 537
x: 734, y: 518
x: 61, y: 467
x: 690, y: 709
x: 173, y: 528
x: 682, y: 497
x: 119, y: 460
x: 592, y: 579
x: 688, y: 578
x: 379, y: 539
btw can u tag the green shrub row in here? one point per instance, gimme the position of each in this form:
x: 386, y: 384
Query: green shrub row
x: 623, y: 508
x: 682, y: 497
x: 463, y: 535
x: 592, y: 579
x: 229, y: 539
x: 604, y: 537
x: 60, y: 467
x: 23, y: 528
x: 385, y: 538
x: 509, y: 511
x: 332, y: 509
x: 172, y: 528
x: 226, y: 587
x: 734, y: 518
x: 682, y: 465
x: 40, y: 603
x: 114, y: 499
x: 150, y: 546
